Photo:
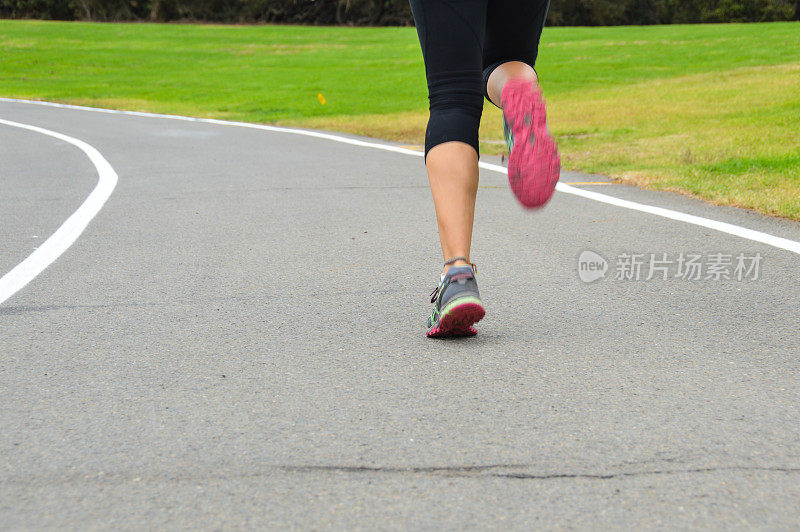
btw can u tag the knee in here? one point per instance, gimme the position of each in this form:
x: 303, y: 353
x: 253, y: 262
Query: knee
x: 456, y: 104
x: 456, y: 90
x: 447, y: 125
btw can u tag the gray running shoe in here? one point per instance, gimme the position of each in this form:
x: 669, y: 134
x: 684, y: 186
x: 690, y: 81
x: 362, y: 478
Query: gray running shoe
x: 456, y: 304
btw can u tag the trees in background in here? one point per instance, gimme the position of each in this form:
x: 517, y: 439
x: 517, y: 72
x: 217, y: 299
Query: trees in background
x: 396, y: 12
x: 610, y: 12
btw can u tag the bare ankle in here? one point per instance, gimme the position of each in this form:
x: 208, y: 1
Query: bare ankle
x: 459, y: 262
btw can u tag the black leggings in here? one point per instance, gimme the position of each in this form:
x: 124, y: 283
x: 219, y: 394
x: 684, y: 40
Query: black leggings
x: 463, y: 41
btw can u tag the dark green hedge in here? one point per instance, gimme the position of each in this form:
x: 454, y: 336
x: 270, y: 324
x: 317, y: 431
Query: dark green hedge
x: 396, y: 12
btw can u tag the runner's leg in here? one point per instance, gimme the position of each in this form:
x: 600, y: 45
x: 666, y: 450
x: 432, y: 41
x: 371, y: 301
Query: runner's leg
x: 451, y: 35
x: 513, y: 29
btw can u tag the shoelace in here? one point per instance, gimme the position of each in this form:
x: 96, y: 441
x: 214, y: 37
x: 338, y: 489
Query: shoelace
x: 434, y: 294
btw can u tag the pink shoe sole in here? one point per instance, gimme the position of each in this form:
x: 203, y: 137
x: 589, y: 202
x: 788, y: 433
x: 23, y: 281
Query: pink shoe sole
x: 458, y: 321
x: 533, y: 164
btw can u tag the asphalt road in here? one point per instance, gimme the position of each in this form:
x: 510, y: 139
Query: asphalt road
x: 237, y: 340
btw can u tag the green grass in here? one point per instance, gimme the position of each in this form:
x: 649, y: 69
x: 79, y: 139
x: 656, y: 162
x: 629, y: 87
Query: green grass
x: 709, y: 110
x: 253, y: 73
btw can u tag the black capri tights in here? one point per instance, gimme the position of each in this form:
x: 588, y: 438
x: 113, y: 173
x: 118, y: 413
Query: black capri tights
x: 463, y: 41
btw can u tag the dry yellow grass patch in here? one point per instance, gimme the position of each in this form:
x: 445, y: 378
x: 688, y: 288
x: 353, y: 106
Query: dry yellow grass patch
x: 729, y: 137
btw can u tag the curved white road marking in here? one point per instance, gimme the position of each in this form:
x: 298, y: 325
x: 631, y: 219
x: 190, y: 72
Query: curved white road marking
x: 71, y: 229
x: 736, y: 230
x: 723, y: 227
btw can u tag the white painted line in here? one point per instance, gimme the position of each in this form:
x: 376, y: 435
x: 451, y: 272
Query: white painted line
x: 731, y: 229
x: 71, y: 229
x: 276, y: 129
x: 756, y: 236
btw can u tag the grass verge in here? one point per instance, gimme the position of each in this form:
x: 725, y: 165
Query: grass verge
x: 708, y: 110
